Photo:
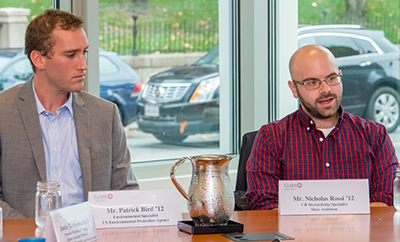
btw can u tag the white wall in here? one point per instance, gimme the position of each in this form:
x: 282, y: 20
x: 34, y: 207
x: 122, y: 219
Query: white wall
x: 287, y: 45
x: 254, y: 60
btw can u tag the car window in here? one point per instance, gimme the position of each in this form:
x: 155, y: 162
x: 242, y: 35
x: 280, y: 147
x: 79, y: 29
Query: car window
x: 3, y: 61
x: 340, y: 46
x: 309, y: 40
x: 107, y: 66
x: 367, y: 47
x: 211, y: 57
x: 20, y: 70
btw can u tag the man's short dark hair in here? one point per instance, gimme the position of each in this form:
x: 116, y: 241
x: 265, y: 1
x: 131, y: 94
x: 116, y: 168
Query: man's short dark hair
x: 38, y: 33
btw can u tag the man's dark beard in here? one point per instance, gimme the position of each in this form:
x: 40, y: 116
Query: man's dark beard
x: 314, y: 112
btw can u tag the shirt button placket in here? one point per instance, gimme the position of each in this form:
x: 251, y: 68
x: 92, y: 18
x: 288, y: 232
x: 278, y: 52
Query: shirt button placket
x: 54, y: 146
x: 327, y: 165
x: 308, y: 128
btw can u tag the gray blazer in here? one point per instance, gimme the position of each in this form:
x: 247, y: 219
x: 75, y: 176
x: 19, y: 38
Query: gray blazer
x: 103, y: 153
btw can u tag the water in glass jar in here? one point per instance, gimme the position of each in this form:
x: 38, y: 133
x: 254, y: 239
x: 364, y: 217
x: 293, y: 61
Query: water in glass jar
x: 396, y: 190
x: 41, y: 220
x: 48, y: 197
x: 397, y: 201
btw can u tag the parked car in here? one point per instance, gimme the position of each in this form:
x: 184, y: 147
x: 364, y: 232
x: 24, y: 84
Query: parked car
x: 185, y: 100
x: 119, y: 83
x: 181, y: 101
x: 6, y: 55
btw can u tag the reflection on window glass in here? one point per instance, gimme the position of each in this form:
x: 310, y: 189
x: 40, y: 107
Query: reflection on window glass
x: 365, y: 41
x: 173, y: 48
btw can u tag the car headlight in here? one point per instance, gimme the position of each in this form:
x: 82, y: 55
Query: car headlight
x: 205, y: 90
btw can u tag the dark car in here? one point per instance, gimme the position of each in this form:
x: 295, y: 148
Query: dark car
x: 119, y: 83
x: 185, y: 100
x: 181, y: 101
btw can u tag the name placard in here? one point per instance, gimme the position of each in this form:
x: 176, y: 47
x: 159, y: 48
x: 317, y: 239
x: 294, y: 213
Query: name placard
x: 134, y: 208
x: 71, y: 224
x: 347, y: 196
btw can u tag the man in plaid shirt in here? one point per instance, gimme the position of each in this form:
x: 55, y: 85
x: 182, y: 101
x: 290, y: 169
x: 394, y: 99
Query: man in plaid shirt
x: 319, y: 140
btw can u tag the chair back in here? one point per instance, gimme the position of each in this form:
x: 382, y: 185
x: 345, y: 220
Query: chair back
x: 241, y: 183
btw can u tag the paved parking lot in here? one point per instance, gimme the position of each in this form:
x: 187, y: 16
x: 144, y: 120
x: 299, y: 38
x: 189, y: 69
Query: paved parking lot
x: 145, y: 147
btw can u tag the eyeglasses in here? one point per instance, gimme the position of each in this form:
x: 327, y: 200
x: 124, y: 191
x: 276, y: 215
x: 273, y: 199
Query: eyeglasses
x: 314, y: 83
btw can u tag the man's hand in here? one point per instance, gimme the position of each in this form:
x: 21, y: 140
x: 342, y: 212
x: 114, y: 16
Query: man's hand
x: 378, y: 204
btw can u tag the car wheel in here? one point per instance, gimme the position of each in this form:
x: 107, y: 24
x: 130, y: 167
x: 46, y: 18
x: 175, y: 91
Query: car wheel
x: 383, y: 107
x: 170, y: 137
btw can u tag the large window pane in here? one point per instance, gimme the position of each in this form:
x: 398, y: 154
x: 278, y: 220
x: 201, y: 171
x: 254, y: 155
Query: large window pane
x: 170, y: 106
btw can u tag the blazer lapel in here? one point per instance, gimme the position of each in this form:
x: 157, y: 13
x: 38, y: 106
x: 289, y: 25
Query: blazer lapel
x: 81, y: 117
x: 27, y: 107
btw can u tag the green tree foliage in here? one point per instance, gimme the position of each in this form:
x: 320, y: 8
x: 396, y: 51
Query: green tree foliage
x: 313, y: 9
x: 36, y: 6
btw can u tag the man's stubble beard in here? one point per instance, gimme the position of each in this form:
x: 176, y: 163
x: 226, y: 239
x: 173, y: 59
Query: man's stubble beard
x: 321, y: 113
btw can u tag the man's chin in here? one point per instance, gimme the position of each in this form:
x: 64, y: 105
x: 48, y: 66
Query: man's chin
x: 328, y: 113
x: 77, y: 88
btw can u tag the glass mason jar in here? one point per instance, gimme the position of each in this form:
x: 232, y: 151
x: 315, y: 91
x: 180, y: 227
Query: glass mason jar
x: 396, y: 190
x: 48, y: 197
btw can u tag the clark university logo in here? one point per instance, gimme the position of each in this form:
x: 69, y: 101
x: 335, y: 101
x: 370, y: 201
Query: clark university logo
x: 110, y: 196
x: 299, y: 185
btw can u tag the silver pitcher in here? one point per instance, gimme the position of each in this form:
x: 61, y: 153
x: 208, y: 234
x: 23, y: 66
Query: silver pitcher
x: 210, y: 198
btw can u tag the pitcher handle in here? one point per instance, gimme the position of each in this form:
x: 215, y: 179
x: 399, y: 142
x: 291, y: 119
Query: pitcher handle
x: 175, y: 182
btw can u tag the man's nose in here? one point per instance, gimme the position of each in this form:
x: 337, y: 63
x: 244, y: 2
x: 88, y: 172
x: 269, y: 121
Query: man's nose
x: 82, y: 62
x: 324, y: 88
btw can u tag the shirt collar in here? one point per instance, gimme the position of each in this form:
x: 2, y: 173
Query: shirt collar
x: 41, y: 109
x: 307, y: 121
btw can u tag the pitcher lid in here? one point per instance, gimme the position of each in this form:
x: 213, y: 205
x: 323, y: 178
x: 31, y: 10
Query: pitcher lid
x: 212, y: 157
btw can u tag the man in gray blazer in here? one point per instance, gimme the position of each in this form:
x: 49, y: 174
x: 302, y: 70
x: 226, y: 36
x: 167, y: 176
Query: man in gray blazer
x: 52, y: 130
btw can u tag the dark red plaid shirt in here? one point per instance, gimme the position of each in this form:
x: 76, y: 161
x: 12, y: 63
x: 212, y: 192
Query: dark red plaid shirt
x: 293, y: 149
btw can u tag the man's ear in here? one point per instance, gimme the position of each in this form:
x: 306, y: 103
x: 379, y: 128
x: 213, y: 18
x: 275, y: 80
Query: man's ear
x: 293, y: 88
x: 37, y: 59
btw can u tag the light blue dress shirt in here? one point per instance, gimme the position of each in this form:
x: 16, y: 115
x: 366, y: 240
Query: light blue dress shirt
x: 61, y: 150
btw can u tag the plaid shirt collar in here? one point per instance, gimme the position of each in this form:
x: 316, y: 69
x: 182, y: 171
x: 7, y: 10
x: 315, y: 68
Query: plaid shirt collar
x: 306, y: 121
